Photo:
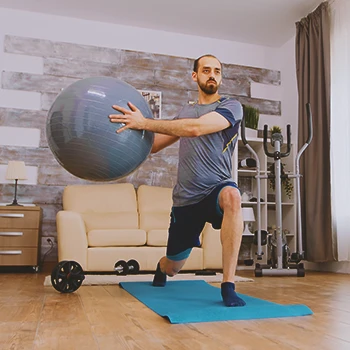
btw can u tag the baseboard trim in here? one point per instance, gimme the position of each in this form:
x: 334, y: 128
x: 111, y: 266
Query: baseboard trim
x: 335, y: 266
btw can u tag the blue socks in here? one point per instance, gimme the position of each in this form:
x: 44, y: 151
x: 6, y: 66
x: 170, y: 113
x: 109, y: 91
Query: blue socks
x: 159, y: 279
x: 229, y: 295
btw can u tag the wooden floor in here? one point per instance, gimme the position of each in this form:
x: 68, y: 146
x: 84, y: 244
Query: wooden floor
x: 106, y: 317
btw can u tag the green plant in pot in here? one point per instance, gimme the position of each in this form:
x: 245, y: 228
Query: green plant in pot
x: 285, y: 181
x: 275, y: 130
x: 251, y: 117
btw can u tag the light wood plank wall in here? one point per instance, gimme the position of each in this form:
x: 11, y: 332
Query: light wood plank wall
x: 65, y: 63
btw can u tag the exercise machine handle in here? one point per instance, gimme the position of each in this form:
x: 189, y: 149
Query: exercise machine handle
x: 280, y: 154
x: 244, y: 140
x: 309, y: 123
x: 286, y: 154
x: 266, y: 150
x: 297, y: 169
x: 309, y: 136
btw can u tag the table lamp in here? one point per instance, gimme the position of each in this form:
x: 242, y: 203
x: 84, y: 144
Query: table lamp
x: 16, y: 170
x: 248, y: 216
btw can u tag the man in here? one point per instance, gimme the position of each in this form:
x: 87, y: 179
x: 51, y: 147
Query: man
x: 205, y: 191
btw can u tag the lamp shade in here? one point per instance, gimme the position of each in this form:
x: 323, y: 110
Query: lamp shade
x: 16, y: 170
x: 248, y: 214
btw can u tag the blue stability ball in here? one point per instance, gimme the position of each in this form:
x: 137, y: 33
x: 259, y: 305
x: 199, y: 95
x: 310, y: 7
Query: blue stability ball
x: 82, y: 138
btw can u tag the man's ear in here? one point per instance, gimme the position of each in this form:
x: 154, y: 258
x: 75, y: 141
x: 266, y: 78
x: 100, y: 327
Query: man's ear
x: 194, y: 76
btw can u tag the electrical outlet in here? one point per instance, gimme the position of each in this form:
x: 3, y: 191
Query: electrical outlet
x: 49, y: 241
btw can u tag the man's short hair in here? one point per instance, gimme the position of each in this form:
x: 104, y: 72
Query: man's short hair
x: 196, y: 62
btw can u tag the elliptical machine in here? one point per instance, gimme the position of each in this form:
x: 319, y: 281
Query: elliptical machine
x: 280, y: 262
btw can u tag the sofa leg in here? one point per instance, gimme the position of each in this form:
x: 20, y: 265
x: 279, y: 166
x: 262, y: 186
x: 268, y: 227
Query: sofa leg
x: 205, y: 273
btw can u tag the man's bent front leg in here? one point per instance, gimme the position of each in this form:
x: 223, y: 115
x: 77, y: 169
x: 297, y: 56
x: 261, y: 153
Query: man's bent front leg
x: 231, y: 230
x: 231, y: 237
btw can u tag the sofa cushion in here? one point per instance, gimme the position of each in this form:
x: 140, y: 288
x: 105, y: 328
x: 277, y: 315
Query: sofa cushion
x: 154, y: 221
x: 157, y: 238
x: 154, y: 205
x: 154, y: 199
x: 100, y: 198
x: 212, y: 249
x: 107, y: 220
x: 116, y: 238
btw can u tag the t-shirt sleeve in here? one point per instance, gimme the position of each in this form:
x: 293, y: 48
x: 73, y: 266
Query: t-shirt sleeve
x: 231, y: 109
x: 180, y: 113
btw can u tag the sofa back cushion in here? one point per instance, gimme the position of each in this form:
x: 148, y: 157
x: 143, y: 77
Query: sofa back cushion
x: 106, y: 198
x: 107, y: 206
x: 154, y: 205
x: 103, y: 221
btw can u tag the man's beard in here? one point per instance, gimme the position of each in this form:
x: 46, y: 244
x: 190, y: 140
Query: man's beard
x: 209, y: 89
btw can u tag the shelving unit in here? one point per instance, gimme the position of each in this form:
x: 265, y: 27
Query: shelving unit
x: 247, y: 183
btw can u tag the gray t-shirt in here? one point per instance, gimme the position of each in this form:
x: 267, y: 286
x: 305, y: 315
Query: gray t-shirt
x: 206, y: 161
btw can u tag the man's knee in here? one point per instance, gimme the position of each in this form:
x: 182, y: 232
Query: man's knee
x: 230, y: 199
x: 172, y: 268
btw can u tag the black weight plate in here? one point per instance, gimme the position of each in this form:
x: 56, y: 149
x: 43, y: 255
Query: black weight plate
x: 121, y: 267
x: 135, y: 267
x: 67, y: 276
x: 258, y: 272
x: 301, y: 272
x: 56, y: 280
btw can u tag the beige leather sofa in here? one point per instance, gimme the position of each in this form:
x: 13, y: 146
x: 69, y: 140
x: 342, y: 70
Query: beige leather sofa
x: 101, y: 224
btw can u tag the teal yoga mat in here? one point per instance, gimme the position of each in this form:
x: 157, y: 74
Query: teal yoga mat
x: 198, y: 301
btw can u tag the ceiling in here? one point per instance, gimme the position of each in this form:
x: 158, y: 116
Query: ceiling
x: 261, y: 22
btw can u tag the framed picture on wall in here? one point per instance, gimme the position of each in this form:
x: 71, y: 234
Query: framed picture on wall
x: 154, y: 100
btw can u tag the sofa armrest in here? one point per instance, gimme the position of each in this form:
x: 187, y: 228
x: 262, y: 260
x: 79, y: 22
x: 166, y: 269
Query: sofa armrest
x: 212, y: 249
x: 71, y: 237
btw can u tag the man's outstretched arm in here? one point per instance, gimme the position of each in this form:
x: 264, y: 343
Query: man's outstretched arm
x: 161, y: 141
x: 192, y: 127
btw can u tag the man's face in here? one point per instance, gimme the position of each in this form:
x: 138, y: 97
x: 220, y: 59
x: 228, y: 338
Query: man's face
x: 209, y: 75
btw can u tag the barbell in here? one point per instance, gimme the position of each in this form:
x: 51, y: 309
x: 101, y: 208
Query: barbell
x: 68, y: 275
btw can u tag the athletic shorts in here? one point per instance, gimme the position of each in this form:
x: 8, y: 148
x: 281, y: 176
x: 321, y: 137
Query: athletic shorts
x: 187, y: 223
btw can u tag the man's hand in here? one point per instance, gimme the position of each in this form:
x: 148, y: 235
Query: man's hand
x: 133, y: 118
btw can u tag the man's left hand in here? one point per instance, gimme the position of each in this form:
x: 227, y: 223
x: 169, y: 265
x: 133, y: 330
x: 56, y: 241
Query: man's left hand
x: 131, y: 118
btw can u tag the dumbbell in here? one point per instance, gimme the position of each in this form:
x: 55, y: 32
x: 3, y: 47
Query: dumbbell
x: 122, y: 267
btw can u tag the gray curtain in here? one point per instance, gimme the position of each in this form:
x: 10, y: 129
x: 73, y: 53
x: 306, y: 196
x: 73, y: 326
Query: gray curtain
x: 313, y: 77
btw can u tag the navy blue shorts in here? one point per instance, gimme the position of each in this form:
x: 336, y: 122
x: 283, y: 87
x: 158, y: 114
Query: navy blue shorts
x: 187, y: 223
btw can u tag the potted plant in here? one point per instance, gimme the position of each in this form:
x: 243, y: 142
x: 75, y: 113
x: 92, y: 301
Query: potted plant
x: 275, y: 130
x: 251, y: 117
x: 285, y: 181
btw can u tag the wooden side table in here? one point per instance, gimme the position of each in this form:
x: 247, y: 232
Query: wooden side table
x: 20, y: 233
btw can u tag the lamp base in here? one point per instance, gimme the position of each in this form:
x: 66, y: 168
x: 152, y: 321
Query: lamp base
x: 14, y: 203
x: 246, y: 231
